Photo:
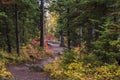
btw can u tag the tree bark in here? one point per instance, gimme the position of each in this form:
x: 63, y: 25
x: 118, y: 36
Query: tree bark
x: 81, y: 34
x: 17, y: 31
x: 42, y: 24
x: 69, y: 44
x: 8, y: 38
x: 68, y: 31
x: 89, y: 36
x: 61, y: 39
x: 9, y: 47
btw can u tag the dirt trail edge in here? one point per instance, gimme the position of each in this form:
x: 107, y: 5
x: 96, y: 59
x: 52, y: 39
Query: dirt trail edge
x: 25, y: 72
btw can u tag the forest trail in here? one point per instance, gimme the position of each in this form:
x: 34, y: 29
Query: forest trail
x: 23, y: 72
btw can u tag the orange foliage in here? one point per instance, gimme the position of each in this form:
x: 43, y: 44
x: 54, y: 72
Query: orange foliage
x: 49, y: 37
x: 47, y: 49
x: 35, y: 42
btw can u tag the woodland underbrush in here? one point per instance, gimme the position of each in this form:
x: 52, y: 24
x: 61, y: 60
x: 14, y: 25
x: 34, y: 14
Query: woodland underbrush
x: 29, y: 53
x: 76, y: 65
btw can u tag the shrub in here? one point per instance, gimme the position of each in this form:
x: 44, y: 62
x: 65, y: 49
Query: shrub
x: 11, y: 58
x: 92, y: 59
x: 73, y: 73
x: 88, y: 68
x: 55, y: 69
x: 107, y: 72
x: 69, y: 57
x: 4, y: 74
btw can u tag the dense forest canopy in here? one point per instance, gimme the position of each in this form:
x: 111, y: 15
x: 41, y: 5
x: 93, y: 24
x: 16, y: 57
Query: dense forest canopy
x: 95, y: 22
x: 27, y: 20
x: 90, y: 26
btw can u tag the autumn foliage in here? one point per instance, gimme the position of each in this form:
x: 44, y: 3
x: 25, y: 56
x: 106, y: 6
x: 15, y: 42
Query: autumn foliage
x: 46, y: 47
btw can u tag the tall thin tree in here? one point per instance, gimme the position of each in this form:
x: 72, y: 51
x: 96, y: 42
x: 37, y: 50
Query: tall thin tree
x: 42, y: 24
x: 81, y: 36
x: 68, y: 31
x: 61, y: 39
x: 17, y: 30
x: 8, y: 38
x: 9, y: 47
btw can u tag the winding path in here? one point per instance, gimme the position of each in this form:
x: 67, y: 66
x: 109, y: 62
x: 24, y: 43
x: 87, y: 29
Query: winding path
x: 22, y: 72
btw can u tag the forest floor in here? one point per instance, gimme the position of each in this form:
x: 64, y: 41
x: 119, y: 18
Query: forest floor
x: 25, y: 72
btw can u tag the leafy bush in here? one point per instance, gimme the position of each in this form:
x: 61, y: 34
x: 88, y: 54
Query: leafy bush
x: 107, y: 72
x: 89, y: 67
x: 92, y: 59
x: 55, y: 69
x: 80, y: 71
x: 69, y: 57
x: 4, y: 74
x: 11, y: 58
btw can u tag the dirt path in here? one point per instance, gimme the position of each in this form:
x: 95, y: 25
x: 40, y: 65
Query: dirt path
x: 23, y: 72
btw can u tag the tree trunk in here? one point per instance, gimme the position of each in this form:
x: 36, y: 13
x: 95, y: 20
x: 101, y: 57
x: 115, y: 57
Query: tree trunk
x: 42, y: 24
x: 9, y: 47
x: 23, y: 33
x: 17, y: 31
x: 8, y: 38
x: 81, y: 34
x: 68, y: 32
x: 61, y: 39
x: 89, y: 36
x: 69, y: 44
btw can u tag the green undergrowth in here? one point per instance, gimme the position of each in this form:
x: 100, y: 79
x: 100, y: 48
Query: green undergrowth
x: 28, y: 53
x: 12, y: 58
